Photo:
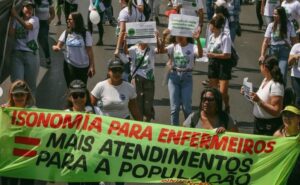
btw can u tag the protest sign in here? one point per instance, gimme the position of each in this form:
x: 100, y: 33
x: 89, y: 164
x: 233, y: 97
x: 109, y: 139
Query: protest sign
x: 140, y: 32
x: 76, y: 147
x: 248, y: 88
x: 189, y: 7
x: 183, y: 25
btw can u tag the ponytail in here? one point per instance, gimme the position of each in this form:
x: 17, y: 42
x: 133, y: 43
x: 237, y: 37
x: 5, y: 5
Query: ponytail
x: 271, y: 63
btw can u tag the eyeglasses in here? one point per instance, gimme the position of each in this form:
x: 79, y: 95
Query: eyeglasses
x: 209, y: 99
x: 117, y: 70
x: 261, y: 63
x: 69, y: 19
x: 19, y: 95
x: 78, y: 95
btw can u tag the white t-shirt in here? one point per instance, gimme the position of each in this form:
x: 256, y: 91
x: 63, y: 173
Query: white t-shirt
x: 225, y: 30
x: 270, y: 6
x: 76, y: 48
x: 135, y: 16
x: 220, y: 44
x: 190, y: 7
x: 146, y: 69
x: 182, y: 57
x: 114, y: 99
x: 275, y: 36
x: 24, y: 36
x: 43, y: 11
x: 292, y: 9
x: 295, y: 72
x: 92, y: 7
x: 270, y: 89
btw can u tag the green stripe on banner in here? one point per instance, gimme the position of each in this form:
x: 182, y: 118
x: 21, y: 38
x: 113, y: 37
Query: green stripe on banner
x: 74, y: 147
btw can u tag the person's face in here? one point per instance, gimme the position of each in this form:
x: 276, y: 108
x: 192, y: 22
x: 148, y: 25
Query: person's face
x: 276, y: 15
x: 116, y: 74
x: 209, y: 103
x: 181, y: 40
x: 78, y: 98
x: 19, y: 99
x: 291, y: 120
x: 262, y: 66
x: 212, y: 28
x: 27, y: 11
x: 70, y: 22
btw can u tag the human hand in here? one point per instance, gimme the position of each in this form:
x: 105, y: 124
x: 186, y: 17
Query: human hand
x: 220, y: 130
x: 211, y: 55
x: 56, y: 48
x: 261, y: 58
x: 254, y: 97
x: 91, y: 71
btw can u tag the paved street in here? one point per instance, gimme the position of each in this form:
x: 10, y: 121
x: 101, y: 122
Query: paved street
x: 52, y: 89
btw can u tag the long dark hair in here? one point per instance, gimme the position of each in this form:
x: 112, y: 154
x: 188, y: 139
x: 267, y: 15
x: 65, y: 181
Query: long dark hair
x: 222, y: 115
x: 271, y: 63
x: 282, y: 21
x: 218, y: 21
x: 130, y: 5
x: 79, y: 24
x: 223, y: 10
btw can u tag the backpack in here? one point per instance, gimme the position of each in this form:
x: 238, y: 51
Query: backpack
x: 147, y: 10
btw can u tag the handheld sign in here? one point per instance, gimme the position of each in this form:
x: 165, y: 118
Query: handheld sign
x: 248, y: 88
x: 140, y: 32
x: 183, y: 25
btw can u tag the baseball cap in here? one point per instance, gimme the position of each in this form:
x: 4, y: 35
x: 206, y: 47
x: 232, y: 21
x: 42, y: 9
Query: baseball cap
x: 115, y: 64
x: 20, y: 88
x: 77, y: 86
x: 292, y: 109
x: 28, y: 3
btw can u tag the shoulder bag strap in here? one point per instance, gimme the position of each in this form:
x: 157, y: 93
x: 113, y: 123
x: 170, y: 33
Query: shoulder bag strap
x: 140, y: 62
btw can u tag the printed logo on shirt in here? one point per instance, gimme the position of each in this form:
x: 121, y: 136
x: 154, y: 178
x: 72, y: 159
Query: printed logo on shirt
x: 21, y: 32
x: 145, y: 62
x: 180, y: 60
x: 122, y: 97
x: 276, y: 36
x: 74, y: 41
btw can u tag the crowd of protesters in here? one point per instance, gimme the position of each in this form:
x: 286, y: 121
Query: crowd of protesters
x: 133, y: 98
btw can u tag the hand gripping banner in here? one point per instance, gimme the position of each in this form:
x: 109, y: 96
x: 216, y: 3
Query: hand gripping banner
x: 75, y: 147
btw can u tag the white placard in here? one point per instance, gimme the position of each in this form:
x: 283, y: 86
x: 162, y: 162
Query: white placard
x: 140, y: 32
x: 248, y: 88
x: 183, y: 25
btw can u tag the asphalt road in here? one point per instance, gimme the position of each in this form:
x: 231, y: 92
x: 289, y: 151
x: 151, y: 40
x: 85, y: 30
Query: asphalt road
x: 51, y: 92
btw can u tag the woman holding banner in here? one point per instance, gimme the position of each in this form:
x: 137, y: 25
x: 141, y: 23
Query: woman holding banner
x: 290, y: 128
x: 219, y: 53
x: 19, y: 96
x: 180, y: 82
x: 211, y: 114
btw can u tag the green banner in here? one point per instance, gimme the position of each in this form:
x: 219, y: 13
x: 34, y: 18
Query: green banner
x: 74, y: 147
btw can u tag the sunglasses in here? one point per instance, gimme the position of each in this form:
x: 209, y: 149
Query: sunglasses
x: 78, y: 95
x: 209, y: 99
x: 117, y: 70
x: 18, y: 95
